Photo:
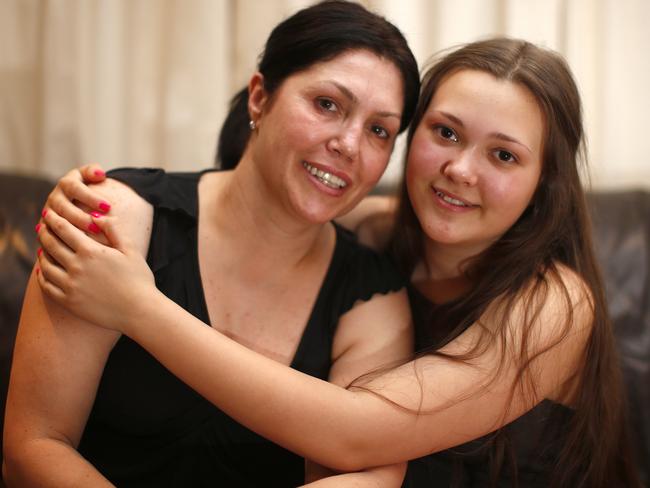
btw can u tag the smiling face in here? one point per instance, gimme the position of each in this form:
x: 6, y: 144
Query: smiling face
x: 475, y: 160
x: 325, y: 136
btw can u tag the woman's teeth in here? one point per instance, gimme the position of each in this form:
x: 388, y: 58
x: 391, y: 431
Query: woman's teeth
x: 448, y: 199
x: 327, y: 179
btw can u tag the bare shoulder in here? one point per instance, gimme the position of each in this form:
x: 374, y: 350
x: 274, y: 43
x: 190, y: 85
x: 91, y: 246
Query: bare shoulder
x: 569, y: 296
x: 556, y: 302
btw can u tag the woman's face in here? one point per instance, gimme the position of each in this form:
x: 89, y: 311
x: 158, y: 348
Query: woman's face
x: 475, y: 160
x: 326, y: 134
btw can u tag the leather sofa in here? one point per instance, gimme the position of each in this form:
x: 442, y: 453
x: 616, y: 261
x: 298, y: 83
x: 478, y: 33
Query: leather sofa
x: 621, y: 234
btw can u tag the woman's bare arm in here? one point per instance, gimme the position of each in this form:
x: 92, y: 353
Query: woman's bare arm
x: 380, y: 477
x: 361, y: 345
x: 372, y: 220
x: 58, y: 362
x: 56, y: 368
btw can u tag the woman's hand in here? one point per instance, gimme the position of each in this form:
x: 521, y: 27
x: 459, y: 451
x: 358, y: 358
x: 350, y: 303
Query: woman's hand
x: 75, y: 201
x: 98, y: 283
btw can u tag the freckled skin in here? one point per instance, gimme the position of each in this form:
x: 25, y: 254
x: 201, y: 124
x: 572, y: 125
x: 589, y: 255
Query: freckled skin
x: 459, y: 148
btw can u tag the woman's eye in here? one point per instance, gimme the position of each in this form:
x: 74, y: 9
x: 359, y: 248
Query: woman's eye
x: 505, y: 156
x: 447, y: 133
x: 327, y: 104
x: 380, y: 132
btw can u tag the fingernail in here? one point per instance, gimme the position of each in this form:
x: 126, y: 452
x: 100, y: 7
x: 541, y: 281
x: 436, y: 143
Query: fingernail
x: 99, y: 172
x: 38, y: 270
x: 96, y: 214
x: 44, y: 213
x: 37, y: 228
x: 39, y: 251
x: 93, y: 227
x: 104, y: 206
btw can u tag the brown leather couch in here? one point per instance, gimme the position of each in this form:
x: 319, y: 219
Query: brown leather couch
x: 622, y: 237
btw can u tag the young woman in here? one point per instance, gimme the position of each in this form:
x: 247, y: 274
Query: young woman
x: 251, y: 251
x: 511, y: 322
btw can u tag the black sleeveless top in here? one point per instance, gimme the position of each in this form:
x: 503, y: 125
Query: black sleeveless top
x: 147, y: 428
x: 532, y: 442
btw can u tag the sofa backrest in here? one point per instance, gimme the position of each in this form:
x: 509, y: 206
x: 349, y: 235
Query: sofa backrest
x: 621, y: 222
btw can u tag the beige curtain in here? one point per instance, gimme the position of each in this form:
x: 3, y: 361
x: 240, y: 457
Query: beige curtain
x: 146, y: 82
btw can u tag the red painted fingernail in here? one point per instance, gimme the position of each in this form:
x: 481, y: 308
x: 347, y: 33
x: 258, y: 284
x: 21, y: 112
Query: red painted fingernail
x: 104, y: 206
x: 99, y: 172
x: 38, y: 270
x: 44, y: 213
x: 39, y: 251
x: 96, y: 214
x: 93, y: 227
x: 37, y: 228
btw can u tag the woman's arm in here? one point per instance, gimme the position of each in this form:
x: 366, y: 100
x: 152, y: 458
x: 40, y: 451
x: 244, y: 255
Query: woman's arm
x: 381, y: 477
x: 372, y: 219
x: 375, y: 423
x: 369, y: 206
x: 58, y: 362
x: 56, y: 368
x: 373, y: 334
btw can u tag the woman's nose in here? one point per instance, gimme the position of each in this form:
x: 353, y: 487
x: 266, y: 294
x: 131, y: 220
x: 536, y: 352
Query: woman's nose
x: 346, y: 142
x: 462, y: 167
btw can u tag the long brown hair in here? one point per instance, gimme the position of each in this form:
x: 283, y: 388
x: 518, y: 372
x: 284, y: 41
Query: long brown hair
x: 554, y: 229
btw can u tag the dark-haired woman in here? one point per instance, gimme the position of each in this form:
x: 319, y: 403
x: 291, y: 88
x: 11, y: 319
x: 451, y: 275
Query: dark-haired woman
x: 251, y: 251
x: 511, y: 322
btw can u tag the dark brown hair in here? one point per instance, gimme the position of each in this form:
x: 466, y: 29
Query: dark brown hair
x: 316, y: 34
x: 554, y: 230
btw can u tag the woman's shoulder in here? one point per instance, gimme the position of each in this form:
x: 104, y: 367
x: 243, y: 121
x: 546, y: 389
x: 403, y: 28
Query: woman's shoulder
x: 172, y: 190
x: 556, y: 290
x: 568, y: 291
x: 551, y: 315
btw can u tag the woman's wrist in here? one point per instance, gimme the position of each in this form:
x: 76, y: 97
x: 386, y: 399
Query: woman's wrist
x: 142, y: 314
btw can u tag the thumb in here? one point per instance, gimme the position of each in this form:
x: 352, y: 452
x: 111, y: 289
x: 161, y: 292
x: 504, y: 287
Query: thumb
x: 107, y: 226
x: 92, y: 173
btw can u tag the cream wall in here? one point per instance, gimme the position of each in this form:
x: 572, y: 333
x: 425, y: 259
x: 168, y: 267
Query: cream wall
x: 146, y: 82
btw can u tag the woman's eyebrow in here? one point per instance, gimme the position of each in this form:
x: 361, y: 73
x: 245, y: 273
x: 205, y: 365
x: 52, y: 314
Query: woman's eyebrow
x: 354, y: 99
x: 506, y: 137
x: 453, y: 118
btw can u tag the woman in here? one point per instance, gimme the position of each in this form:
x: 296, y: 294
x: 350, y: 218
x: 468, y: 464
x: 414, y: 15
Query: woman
x: 511, y: 320
x: 251, y: 251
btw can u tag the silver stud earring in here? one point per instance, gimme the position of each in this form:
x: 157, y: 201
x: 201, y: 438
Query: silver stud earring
x: 252, y: 125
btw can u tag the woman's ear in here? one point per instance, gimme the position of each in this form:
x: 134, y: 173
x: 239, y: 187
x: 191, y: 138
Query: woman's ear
x: 257, y: 97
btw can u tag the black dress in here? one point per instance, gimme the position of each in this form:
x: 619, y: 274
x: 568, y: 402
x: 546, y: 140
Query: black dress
x: 532, y: 442
x: 147, y: 428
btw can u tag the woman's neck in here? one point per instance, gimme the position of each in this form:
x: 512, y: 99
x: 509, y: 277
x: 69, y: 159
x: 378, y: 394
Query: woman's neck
x: 252, y: 225
x: 440, y: 274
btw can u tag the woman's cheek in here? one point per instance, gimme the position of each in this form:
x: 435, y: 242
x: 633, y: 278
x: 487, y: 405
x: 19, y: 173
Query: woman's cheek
x: 424, y: 161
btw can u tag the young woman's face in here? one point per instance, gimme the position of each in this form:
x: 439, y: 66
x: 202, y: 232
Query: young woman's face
x: 326, y: 134
x: 475, y: 160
